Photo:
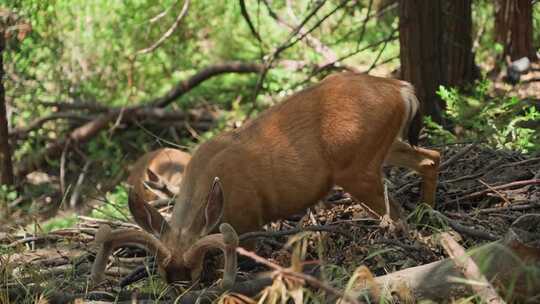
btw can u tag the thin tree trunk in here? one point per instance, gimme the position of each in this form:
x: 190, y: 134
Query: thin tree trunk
x: 514, y: 28
x: 435, y: 49
x: 6, y: 168
x: 420, y: 28
x: 458, y: 41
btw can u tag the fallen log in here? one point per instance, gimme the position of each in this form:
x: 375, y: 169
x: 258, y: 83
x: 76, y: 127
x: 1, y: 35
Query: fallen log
x: 93, y: 127
x: 512, y: 265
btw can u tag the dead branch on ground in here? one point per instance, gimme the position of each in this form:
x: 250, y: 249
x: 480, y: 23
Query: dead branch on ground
x: 87, y: 131
x: 470, y: 270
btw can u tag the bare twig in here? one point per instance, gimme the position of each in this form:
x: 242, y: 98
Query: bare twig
x: 499, y: 194
x: 505, y: 186
x: 245, y: 14
x: 168, y: 33
x: 492, y: 165
x: 374, y: 63
x: 470, y: 270
x: 521, y: 162
x: 465, y: 229
x: 519, y: 207
x: 285, y: 45
x: 456, y: 156
x: 30, y: 239
x: 289, y: 42
x: 269, y: 234
x: 340, y: 59
x: 95, y: 222
x: 311, y: 40
x: 77, y: 188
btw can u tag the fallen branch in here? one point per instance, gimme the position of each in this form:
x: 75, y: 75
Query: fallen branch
x: 87, y: 131
x: 507, y: 263
x: 479, y: 234
x: 273, y: 234
x: 456, y: 156
x: 491, y: 189
x: 38, y: 123
x: 80, y: 134
x: 76, y: 105
x: 206, y: 73
x: 519, y: 207
x: 470, y: 270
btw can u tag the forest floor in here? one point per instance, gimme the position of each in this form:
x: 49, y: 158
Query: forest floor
x: 481, y: 189
x: 481, y: 192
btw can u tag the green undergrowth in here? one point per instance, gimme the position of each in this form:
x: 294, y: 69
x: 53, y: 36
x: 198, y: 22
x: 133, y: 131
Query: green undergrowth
x: 503, y: 122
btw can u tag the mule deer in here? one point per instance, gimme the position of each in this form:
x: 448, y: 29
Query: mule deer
x: 339, y: 131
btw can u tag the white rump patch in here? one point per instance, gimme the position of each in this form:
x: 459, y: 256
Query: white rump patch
x: 411, y: 103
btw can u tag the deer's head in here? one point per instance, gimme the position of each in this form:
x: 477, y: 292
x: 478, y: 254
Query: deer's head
x: 179, y: 249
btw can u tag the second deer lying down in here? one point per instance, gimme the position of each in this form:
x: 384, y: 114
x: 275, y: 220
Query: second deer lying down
x: 339, y: 131
x: 155, y: 175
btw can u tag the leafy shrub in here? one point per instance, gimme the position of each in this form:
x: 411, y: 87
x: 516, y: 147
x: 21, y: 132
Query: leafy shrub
x: 502, y: 121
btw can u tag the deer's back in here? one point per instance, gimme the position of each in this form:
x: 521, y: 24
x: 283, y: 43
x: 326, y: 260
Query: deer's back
x: 288, y: 157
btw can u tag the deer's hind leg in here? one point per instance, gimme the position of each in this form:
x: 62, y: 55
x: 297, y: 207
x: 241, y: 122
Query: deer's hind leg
x: 424, y: 161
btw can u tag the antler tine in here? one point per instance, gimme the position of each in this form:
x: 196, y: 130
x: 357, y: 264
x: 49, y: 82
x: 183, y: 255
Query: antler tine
x: 110, y: 240
x: 227, y: 241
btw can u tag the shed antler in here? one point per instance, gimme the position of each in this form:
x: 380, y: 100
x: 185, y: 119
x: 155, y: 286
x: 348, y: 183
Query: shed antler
x: 227, y: 241
x: 109, y: 240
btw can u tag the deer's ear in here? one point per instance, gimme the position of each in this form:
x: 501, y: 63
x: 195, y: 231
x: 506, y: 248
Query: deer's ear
x: 213, y: 212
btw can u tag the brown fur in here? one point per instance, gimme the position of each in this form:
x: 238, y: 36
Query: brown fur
x: 339, y: 131
x: 169, y: 164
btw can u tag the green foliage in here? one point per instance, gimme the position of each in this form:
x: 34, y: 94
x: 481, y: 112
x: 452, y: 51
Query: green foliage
x: 423, y: 216
x: 59, y: 223
x: 437, y: 134
x: 107, y: 153
x: 7, y: 194
x: 86, y: 51
x: 115, y: 207
x: 505, y: 122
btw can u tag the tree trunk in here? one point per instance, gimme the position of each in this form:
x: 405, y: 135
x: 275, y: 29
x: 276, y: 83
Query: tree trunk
x: 420, y: 28
x: 458, y: 57
x: 435, y: 49
x: 6, y: 168
x: 514, y: 29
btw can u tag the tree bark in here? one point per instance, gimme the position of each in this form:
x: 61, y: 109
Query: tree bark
x: 514, y: 28
x: 420, y: 25
x: 458, y: 56
x: 6, y: 167
x: 435, y: 49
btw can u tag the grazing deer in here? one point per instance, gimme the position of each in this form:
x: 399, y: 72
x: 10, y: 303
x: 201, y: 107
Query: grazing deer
x: 339, y: 131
